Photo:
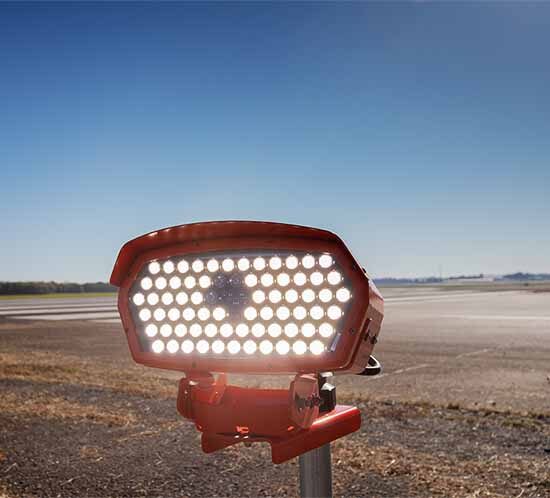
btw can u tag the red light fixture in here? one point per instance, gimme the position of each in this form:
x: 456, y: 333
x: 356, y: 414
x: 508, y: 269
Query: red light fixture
x: 256, y: 298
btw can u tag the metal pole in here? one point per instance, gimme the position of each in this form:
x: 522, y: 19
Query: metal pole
x: 316, y: 473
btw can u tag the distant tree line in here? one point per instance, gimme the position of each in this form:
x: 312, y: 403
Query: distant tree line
x: 11, y: 288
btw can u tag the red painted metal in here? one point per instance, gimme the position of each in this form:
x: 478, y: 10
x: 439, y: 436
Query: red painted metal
x: 363, y: 321
x: 286, y: 419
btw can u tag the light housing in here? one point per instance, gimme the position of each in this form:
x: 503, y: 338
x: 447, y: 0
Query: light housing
x: 246, y: 296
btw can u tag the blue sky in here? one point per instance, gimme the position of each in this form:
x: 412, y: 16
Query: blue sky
x: 419, y: 132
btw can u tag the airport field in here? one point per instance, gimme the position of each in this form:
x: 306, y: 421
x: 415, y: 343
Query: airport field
x: 462, y: 408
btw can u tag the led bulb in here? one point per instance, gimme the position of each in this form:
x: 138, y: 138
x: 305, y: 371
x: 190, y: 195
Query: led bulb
x: 283, y: 279
x: 250, y: 347
x: 157, y: 346
x: 325, y: 261
x: 153, y: 299
x: 275, y: 296
x: 291, y: 262
x: 203, y: 346
x: 204, y: 281
x: 187, y: 346
x: 181, y: 298
x: 172, y: 346
x: 165, y: 330
x: 325, y: 295
x: 183, y: 266
x: 151, y: 330
x: 138, y: 299
x: 203, y: 314
x: 267, y: 280
x: 291, y: 296
x: 259, y: 264
x: 291, y: 330
x: 218, y: 314
x: 228, y: 264
x: 251, y: 280
x: 175, y: 283
x: 299, y: 313
x: 275, y: 263
x: 144, y: 315
x: 168, y: 267
x: 212, y: 267
x: 189, y: 282
x: 308, y: 296
x: 274, y: 330
x: 334, y: 277
x: 195, y: 330
x: 283, y: 313
x: 226, y: 330
x: 266, y: 313
x: 160, y: 283
x: 188, y: 314
x: 180, y: 330
x: 146, y: 283
x: 210, y: 331
x: 308, y: 261
x: 167, y: 298
x: 258, y: 296
x: 233, y: 347
x: 317, y: 312
x: 196, y: 297
x: 326, y: 329
x: 154, y: 267
x: 250, y: 313
x: 218, y: 346
x: 316, y: 278
x: 242, y: 330
x: 316, y: 347
x: 334, y: 312
x: 300, y: 279
x: 266, y: 347
x: 308, y: 330
x: 299, y: 347
x: 343, y: 295
x: 197, y: 266
x: 258, y: 330
x: 173, y: 314
x: 243, y: 264
x: 282, y: 347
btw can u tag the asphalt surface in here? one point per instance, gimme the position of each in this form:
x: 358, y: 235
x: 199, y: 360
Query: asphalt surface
x: 472, y: 348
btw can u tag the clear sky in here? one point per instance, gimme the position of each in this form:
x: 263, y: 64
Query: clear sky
x: 418, y: 132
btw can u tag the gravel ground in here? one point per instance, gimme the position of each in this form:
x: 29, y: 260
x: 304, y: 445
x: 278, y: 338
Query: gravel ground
x: 70, y: 427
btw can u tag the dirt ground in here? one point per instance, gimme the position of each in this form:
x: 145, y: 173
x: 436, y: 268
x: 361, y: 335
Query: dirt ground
x: 79, y: 418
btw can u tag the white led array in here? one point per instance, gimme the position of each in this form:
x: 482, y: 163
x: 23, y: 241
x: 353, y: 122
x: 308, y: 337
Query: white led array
x: 234, y: 304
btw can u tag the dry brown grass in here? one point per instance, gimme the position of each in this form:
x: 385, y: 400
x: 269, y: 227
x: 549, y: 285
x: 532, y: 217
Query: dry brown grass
x: 54, y: 368
x: 48, y: 407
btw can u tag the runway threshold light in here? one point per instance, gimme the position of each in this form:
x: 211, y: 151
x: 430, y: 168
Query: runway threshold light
x: 255, y: 298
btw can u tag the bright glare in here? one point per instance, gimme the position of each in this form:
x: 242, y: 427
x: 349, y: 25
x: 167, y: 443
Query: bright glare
x: 195, y: 330
x: 291, y: 296
x: 196, y: 297
x: 266, y: 313
x: 258, y: 296
x: 203, y: 314
x: 233, y: 347
x: 291, y: 262
x: 316, y: 347
x: 317, y: 312
x: 187, y: 346
x: 167, y: 298
x: 275, y: 263
x: 180, y: 330
x: 165, y: 330
x: 299, y: 347
x: 250, y: 347
x: 218, y: 346
x: 283, y: 313
x: 308, y: 296
x: 243, y: 264
x: 334, y: 312
x: 158, y: 346
x: 259, y: 264
x: 275, y: 296
x: 218, y: 314
x: 291, y: 330
x: 189, y: 282
x: 160, y: 283
x: 308, y: 330
x: 203, y: 346
x: 173, y: 314
x: 175, y: 282
x: 183, y: 266
x: 299, y: 312
x: 250, y: 313
x: 267, y: 280
x: 146, y: 283
x: 334, y: 277
x: 212, y: 267
x: 308, y: 261
x: 159, y: 314
x: 258, y: 330
x: 226, y: 330
x: 343, y: 295
x: 172, y: 346
x: 139, y: 299
x: 242, y: 330
x: 154, y: 267
x: 266, y: 347
x: 204, y: 281
x: 197, y: 266
x: 283, y: 279
x: 274, y: 330
x: 282, y: 347
x: 168, y: 267
x: 151, y: 330
x: 181, y: 298
x: 326, y: 330
x: 300, y: 278
x: 316, y: 278
x: 144, y: 314
x: 228, y: 264
x: 211, y: 330
x: 251, y: 280
x: 325, y: 261
x: 325, y: 295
